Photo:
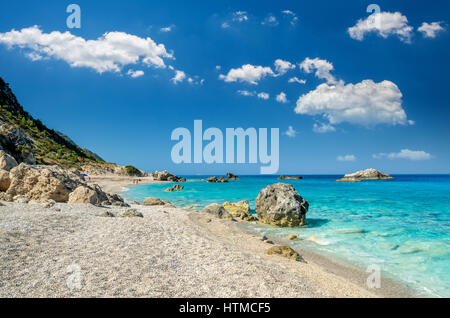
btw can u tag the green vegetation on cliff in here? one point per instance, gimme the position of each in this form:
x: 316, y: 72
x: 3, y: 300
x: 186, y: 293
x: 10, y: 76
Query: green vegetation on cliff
x: 21, y: 134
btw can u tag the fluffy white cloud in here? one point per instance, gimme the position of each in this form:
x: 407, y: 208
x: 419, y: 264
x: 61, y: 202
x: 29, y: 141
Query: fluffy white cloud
x: 179, y: 77
x: 291, y: 132
x: 135, y: 74
x: 323, y: 128
x: 263, y: 95
x: 414, y: 155
x: 109, y: 53
x: 295, y: 79
x: 168, y: 28
x: 281, y: 98
x: 346, y: 158
x: 247, y: 73
x: 366, y: 103
x: 283, y: 66
x: 384, y: 24
x: 225, y: 25
x: 270, y: 21
x: 322, y: 68
x: 430, y: 30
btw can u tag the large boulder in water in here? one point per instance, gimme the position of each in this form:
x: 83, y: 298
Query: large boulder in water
x: 368, y: 174
x: 281, y: 205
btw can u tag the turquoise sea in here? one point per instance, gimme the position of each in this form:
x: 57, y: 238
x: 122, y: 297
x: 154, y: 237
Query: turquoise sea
x: 403, y: 225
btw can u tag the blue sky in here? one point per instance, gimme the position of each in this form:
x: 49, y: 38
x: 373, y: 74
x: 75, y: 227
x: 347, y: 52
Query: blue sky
x: 377, y: 94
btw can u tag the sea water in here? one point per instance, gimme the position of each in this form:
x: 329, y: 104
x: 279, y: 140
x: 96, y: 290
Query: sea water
x: 401, y: 225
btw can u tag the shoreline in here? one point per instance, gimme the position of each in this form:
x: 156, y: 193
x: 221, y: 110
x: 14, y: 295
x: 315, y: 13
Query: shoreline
x: 343, y: 268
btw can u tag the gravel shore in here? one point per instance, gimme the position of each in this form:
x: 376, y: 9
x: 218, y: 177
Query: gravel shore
x: 73, y: 251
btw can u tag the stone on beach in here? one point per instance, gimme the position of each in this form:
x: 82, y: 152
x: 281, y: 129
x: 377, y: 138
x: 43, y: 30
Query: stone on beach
x: 284, y: 251
x: 151, y: 201
x: 83, y: 194
x: 281, y: 205
x: 131, y: 213
x: 218, y: 211
x: 240, y: 210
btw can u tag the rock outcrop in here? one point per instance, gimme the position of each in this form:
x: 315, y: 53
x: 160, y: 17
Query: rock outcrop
x: 165, y: 176
x: 281, y: 205
x: 216, y: 180
x: 110, y: 169
x: 290, y: 178
x: 240, y: 210
x: 7, y: 162
x: 218, y: 211
x: 43, y: 183
x: 176, y: 187
x: 368, y: 174
x: 231, y: 176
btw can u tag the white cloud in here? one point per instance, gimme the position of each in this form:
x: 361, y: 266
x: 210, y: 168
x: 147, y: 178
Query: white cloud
x: 384, y: 24
x: 323, y: 128
x: 322, y: 68
x: 135, y: 74
x: 109, y: 53
x: 283, y: 66
x: 225, y: 25
x: 291, y: 132
x: 179, y: 77
x: 366, y: 103
x: 246, y: 93
x: 414, y: 155
x: 295, y: 79
x: 346, y: 158
x: 218, y: 67
x: 240, y: 16
x: 281, y: 98
x: 270, y: 21
x: 34, y: 56
x: 247, y: 73
x: 292, y: 15
x: 168, y: 28
x: 263, y: 95
x: 430, y: 30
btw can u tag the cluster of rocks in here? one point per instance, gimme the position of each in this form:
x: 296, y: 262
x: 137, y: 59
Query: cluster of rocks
x: 290, y: 178
x: 107, y: 169
x: 368, y: 174
x: 216, y: 180
x: 36, y: 183
x: 16, y: 141
x: 176, y: 187
x: 277, y: 205
x: 165, y: 176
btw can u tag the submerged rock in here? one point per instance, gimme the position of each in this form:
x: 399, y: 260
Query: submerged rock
x: 218, y: 211
x: 368, y: 174
x: 284, y: 251
x: 290, y: 178
x: 281, y: 205
x: 292, y: 237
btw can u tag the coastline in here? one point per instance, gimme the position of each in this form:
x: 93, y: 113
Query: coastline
x: 169, y: 252
x: 114, y: 183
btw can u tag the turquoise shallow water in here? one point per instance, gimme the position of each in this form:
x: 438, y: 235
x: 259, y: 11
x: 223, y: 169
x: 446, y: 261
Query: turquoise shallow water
x: 404, y: 223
